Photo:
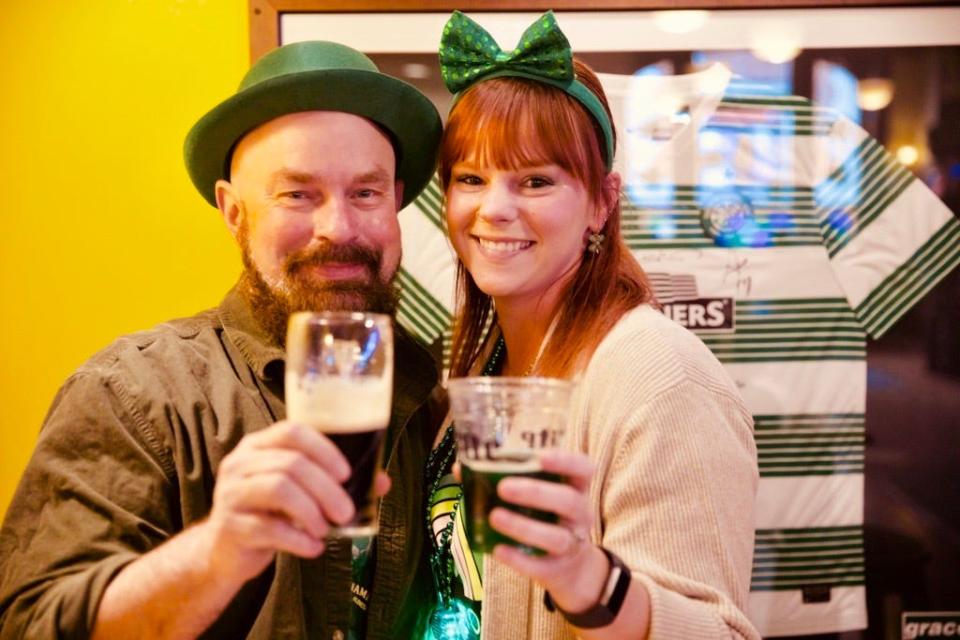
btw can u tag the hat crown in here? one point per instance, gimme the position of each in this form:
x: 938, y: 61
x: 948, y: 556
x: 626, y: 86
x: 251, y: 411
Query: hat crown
x: 315, y: 55
x: 316, y: 76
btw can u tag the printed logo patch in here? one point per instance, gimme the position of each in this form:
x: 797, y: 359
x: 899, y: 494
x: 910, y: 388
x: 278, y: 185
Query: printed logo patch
x: 726, y: 217
x: 929, y: 624
x: 682, y: 303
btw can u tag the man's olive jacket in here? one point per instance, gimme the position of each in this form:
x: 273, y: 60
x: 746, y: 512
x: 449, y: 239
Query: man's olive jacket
x: 128, y: 455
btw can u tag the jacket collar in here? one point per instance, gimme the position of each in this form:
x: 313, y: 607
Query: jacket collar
x: 264, y: 357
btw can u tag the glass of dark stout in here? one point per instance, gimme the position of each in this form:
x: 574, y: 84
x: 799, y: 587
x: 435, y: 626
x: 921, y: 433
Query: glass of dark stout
x: 501, y: 425
x: 339, y: 380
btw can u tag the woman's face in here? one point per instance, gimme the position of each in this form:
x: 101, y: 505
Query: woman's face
x: 520, y: 233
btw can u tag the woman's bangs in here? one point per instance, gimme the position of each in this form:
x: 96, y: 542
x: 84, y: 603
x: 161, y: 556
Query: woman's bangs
x: 508, y: 128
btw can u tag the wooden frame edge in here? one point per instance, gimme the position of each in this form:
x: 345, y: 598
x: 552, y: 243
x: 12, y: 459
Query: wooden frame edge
x: 265, y: 14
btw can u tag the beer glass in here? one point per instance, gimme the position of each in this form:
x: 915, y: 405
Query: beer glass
x: 339, y: 378
x: 501, y: 424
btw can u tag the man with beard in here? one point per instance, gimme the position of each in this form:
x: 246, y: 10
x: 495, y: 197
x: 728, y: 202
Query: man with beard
x: 167, y: 496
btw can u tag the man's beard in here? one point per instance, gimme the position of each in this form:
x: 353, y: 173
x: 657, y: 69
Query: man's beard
x: 272, y: 304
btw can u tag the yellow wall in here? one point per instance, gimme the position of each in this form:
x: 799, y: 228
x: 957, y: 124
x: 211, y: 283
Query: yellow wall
x: 102, y: 232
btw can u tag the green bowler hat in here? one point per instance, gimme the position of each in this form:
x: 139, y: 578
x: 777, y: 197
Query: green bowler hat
x: 317, y: 76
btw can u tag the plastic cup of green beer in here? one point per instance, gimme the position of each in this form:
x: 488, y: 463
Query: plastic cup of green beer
x: 502, y: 424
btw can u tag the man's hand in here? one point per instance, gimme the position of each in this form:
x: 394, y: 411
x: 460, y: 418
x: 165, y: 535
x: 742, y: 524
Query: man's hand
x: 279, y: 490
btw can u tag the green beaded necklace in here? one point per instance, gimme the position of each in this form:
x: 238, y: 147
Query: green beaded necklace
x: 450, y: 618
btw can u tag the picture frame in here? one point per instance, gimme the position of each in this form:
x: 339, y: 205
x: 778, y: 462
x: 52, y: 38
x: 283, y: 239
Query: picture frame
x: 265, y: 15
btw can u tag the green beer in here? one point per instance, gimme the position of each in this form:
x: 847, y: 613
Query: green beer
x: 503, y: 424
x: 480, y: 480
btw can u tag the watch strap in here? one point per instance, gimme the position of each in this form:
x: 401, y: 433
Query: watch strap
x: 611, y: 598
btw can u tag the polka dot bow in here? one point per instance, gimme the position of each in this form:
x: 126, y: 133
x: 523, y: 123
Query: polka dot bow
x: 468, y: 53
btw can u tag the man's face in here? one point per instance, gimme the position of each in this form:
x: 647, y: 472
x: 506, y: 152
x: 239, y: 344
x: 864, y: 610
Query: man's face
x: 313, y: 201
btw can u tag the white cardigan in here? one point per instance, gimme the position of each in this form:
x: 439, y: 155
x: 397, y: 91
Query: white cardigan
x: 673, y: 492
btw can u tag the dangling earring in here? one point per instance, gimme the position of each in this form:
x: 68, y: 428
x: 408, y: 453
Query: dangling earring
x: 596, y: 242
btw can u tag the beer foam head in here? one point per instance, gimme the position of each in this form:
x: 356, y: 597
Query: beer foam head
x: 338, y: 404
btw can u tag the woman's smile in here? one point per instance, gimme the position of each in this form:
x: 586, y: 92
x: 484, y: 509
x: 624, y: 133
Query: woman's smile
x: 501, y: 247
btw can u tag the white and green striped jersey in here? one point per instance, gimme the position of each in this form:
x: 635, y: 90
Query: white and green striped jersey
x: 782, y: 234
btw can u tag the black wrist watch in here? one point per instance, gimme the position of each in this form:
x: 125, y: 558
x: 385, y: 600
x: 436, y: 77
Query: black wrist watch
x: 611, y: 598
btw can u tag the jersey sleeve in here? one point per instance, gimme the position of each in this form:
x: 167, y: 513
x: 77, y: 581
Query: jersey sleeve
x: 428, y: 271
x: 889, y: 238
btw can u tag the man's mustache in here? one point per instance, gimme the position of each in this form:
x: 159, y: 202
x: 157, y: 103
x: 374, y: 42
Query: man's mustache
x: 334, y: 253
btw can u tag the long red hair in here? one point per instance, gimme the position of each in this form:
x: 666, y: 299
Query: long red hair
x: 510, y: 123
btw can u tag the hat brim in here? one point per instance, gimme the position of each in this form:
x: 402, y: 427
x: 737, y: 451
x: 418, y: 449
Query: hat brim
x: 409, y: 117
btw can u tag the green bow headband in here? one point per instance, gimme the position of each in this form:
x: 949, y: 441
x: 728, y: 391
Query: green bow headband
x: 469, y: 54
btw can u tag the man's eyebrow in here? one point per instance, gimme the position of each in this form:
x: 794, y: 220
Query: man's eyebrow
x: 377, y: 176
x: 289, y: 176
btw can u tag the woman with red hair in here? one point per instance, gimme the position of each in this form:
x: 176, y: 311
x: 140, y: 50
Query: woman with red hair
x: 655, y: 524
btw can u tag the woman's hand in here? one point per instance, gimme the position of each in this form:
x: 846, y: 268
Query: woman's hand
x: 573, y: 570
